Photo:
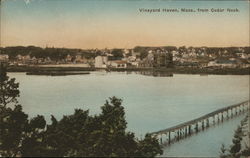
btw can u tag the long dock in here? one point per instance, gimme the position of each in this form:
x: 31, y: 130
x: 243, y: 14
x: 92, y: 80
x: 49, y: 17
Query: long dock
x: 186, y: 129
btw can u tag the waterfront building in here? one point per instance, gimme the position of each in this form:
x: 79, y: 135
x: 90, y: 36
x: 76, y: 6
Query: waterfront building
x: 68, y: 58
x: 4, y: 57
x: 101, y: 61
x: 118, y: 64
x: 223, y: 63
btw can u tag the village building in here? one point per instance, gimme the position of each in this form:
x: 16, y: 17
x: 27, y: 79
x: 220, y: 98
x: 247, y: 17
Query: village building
x: 101, y: 61
x: 4, y: 57
x: 68, y: 58
x: 118, y: 64
x: 223, y: 63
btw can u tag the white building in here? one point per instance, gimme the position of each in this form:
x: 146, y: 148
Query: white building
x: 101, y: 61
x: 4, y: 57
x: 118, y: 64
x: 223, y: 63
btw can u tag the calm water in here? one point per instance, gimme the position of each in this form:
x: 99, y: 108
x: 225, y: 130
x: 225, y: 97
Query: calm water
x: 151, y: 103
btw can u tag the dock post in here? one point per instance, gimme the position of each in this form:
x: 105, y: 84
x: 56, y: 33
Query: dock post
x: 169, y: 137
x: 189, y: 130
x: 202, y: 124
x: 178, y: 135
x: 196, y: 128
x: 222, y: 117
x: 214, y: 119
x: 228, y: 114
x: 218, y: 117
x: 207, y: 122
x: 186, y: 131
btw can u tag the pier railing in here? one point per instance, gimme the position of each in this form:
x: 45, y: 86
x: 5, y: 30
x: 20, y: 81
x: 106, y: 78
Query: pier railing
x: 185, y: 129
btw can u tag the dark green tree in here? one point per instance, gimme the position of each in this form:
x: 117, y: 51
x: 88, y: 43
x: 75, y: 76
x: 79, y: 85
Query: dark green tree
x: 117, y: 53
x: 236, y: 147
x: 112, y: 139
x: 12, y: 121
x: 13, y: 124
x: 246, y: 152
x: 18, y: 135
x: 67, y: 136
x: 149, y: 147
x: 223, y: 151
x: 33, y: 139
x: 100, y: 135
x: 8, y: 87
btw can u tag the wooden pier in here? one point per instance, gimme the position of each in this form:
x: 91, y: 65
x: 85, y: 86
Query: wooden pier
x: 183, y: 130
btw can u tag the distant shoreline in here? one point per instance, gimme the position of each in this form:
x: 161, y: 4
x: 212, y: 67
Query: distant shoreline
x: 176, y: 70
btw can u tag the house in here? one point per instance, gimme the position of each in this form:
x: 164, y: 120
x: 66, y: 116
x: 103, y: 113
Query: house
x: 148, y: 61
x: 68, y: 58
x: 242, y: 55
x: 4, y: 57
x: 34, y: 60
x: 101, y: 61
x: 26, y: 58
x: 223, y: 63
x: 79, y: 58
x: 118, y: 64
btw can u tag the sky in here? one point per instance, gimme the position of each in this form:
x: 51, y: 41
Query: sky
x: 90, y: 24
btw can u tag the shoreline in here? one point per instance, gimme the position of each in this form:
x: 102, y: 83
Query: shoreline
x: 175, y: 70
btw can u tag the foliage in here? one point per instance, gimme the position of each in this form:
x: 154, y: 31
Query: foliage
x: 8, y: 88
x: 223, y: 151
x: 149, y: 147
x: 54, y: 54
x: 13, y: 122
x: 236, y: 150
x: 236, y: 147
x: 246, y: 152
x: 99, y: 135
x: 117, y: 53
x: 142, y: 50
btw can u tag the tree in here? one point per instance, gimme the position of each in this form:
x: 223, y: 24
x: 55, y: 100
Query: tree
x: 246, y: 152
x: 117, y: 53
x: 223, y: 151
x: 112, y: 139
x: 18, y: 135
x: 102, y: 135
x: 8, y: 88
x: 142, y: 50
x: 236, y: 147
x: 149, y: 147
x: 13, y: 124
x: 67, y: 136
x: 33, y: 138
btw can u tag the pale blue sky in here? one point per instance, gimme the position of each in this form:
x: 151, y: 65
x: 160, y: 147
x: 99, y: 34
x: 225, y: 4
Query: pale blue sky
x: 118, y: 23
